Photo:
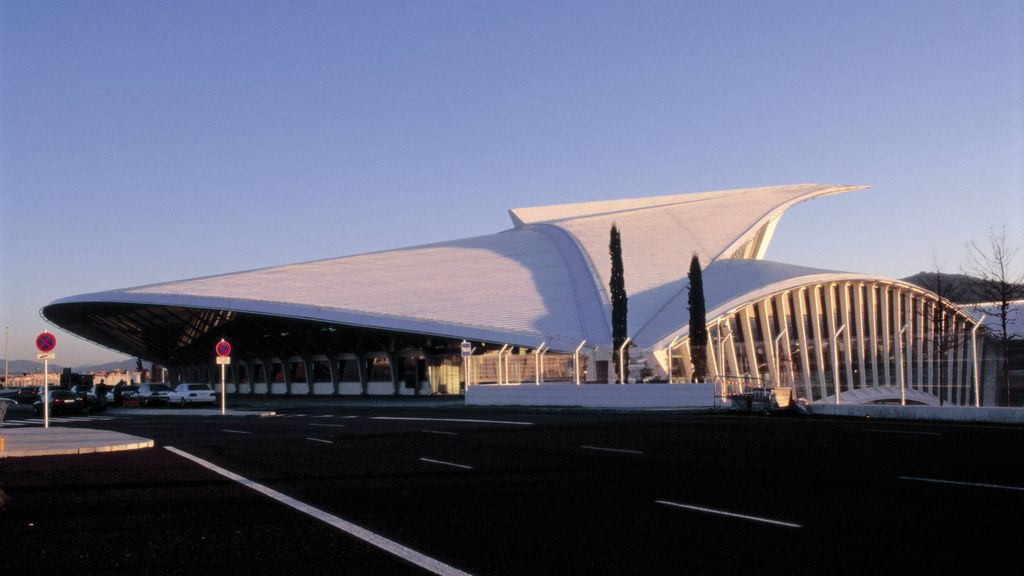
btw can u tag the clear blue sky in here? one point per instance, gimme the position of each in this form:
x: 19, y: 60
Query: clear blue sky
x: 149, y: 141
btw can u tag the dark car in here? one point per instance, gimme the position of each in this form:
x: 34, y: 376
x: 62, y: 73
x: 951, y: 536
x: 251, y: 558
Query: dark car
x: 61, y: 402
x: 27, y: 395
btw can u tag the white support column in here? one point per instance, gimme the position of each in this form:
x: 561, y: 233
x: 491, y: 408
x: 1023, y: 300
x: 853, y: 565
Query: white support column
x: 873, y: 332
x: 801, y: 330
x: 887, y: 328
x: 920, y: 339
x: 769, y: 341
x: 862, y: 342
x: 783, y: 309
x: 844, y: 311
x: 830, y: 322
x: 748, y: 340
x: 961, y: 329
x: 908, y: 318
x: 819, y: 347
x: 929, y: 322
x: 950, y: 357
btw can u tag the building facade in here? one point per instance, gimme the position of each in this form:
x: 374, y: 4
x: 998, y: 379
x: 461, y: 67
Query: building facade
x: 530, y: 305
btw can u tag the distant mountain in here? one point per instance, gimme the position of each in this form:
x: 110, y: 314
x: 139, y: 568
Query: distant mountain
x: 959, y: 288
x: 15, y: 367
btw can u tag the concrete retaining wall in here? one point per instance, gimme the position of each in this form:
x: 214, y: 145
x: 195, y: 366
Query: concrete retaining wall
x: 938, y: 413
x: 595, y: 395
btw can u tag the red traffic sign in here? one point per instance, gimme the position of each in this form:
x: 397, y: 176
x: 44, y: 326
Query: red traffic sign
x: 223, y: 348
x: 46, y: 342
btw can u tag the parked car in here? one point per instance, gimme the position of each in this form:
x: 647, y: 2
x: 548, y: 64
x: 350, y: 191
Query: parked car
x: 192, y: 394
x: 150, y: 394
x: 27, y: 394
x: 61, y: 402
x: 127, y: 391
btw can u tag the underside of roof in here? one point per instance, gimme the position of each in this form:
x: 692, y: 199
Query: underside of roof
x: 544, y: 280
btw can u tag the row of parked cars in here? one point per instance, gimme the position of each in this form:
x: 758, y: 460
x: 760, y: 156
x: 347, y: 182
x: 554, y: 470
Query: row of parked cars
x: 93, y: 398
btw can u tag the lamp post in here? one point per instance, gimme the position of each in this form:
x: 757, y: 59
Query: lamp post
x: 576, y: 361
x: 778, y: 355
x: 903, y: 378
x: 500, y: 354
x: 974, y: 360
x: 670, y: 346
x: 536, y: 363
x: 835, y: 361
x: 622, y: 360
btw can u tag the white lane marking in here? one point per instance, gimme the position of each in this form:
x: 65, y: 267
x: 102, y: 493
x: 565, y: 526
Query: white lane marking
x: 235, y: 431
x: 730, y: 514
x: 327, y: 425
x: 389, y: 546
x: 463, y: 466
x: 319, y: 440
x: 622, y: 450
x: 957, y: 483
x: 452, y: 420
x: 324, y: 416
x: 445, y: 432
x: 880, y: 431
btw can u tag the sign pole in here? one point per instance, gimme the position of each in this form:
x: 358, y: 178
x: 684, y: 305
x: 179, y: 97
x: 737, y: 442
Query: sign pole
x: 45, y: 343
x: 222, y: 389
x: 46, y: 393
x: 223, y: 351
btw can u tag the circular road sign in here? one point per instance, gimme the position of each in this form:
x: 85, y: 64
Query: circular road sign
x: 223, y: 348
x: 46, y: 342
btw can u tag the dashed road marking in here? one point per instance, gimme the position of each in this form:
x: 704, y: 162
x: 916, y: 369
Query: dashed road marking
x: 319, y: 440
x: 445, y: 432
x: 327, y: 425
x: 914, y: 432
x: 958, y: 483
x: 451, y: 420
x: 443, y: 463
x: 603, y: 449
x: 729, y: 514
x: 235, y: 431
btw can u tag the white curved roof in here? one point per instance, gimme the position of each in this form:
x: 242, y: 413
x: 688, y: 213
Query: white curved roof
x: 545, y: 280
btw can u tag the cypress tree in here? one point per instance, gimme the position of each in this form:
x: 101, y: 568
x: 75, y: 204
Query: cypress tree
x: 698, y: 321
x: 617, y: 288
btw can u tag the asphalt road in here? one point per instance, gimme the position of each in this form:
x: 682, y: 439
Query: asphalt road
x: 519, y: 492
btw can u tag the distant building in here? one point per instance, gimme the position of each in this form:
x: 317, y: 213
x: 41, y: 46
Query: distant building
x: 531, y: 303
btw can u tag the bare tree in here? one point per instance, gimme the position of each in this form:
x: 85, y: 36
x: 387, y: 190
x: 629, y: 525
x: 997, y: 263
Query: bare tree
x: 943, y: 327
x: 999, y: 285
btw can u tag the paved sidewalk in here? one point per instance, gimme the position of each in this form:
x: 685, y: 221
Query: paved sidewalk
x: 22, y: 442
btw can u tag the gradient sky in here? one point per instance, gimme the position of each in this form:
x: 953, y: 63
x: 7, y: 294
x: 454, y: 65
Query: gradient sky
x: 143, y: 142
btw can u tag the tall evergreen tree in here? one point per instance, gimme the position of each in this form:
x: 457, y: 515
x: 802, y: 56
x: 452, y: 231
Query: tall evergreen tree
x: 617, y: 289
x: 698, y: 321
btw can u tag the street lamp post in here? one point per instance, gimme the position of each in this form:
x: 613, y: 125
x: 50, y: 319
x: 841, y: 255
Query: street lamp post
x: 835, y: 361
x: 670, y: 346
x: 622, y: 360
x: 974, y: 360
x: 903, y: 378
x: 778, y: 356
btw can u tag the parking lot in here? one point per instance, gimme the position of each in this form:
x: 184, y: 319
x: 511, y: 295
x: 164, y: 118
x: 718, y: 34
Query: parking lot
x: 420, y: 486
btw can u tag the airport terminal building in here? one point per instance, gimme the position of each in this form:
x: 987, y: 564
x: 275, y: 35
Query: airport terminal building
x: 528, y: 309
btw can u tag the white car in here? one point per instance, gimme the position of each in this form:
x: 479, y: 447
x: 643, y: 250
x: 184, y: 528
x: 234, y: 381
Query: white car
x: 154, y: 394
x: 191, y: 394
